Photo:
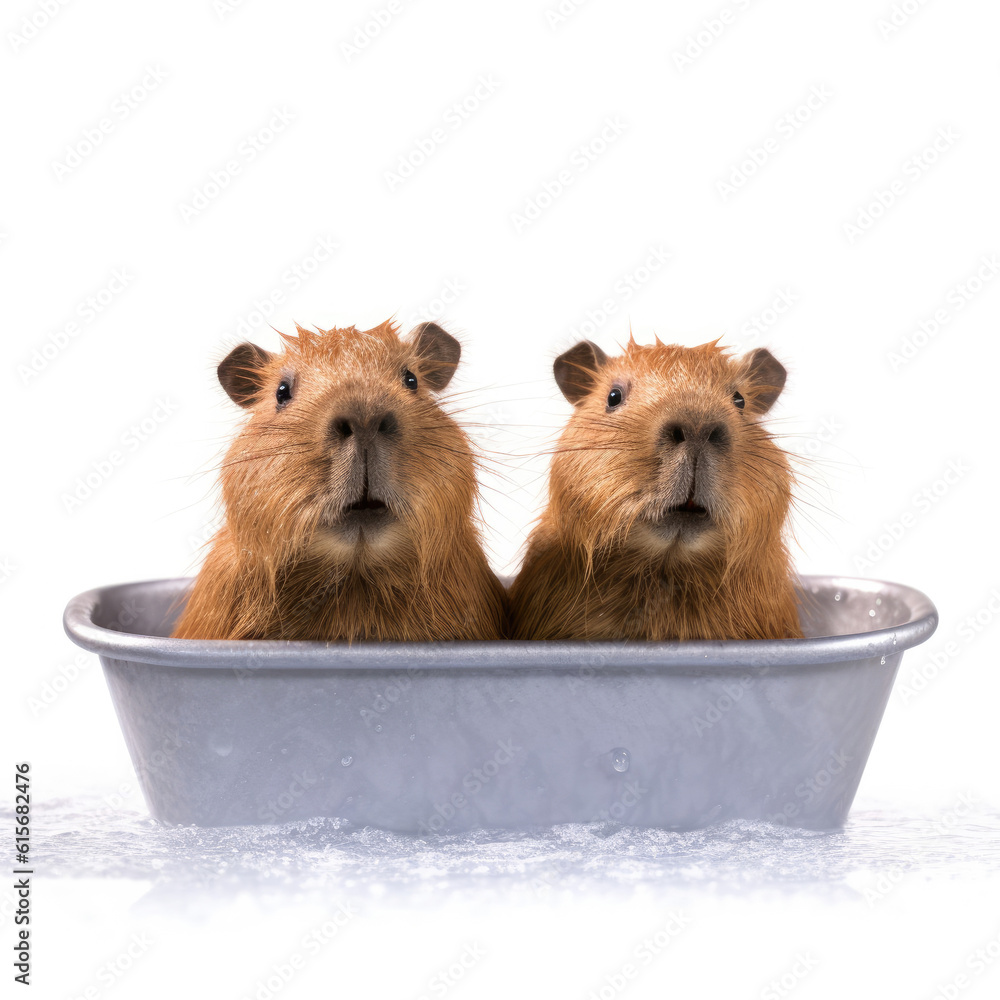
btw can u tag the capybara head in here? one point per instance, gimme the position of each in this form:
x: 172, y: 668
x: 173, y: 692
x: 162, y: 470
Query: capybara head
x: 346, y: 453
x: 349, y: 498
x: 667, y: 500
x: 665, y: 453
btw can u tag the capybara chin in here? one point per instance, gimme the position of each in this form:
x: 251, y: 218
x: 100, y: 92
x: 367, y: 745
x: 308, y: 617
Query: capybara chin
x: 348, y: 498
x: 667, y: 502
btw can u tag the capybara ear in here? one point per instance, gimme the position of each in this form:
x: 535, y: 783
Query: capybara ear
x: 240, y: 372
x: 438, y: 353
x: 576, y: 369
x: 765, y: 376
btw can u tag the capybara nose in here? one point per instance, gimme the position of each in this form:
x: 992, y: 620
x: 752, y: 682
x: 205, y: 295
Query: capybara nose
x: 365, y: 427
x: 694, y: 435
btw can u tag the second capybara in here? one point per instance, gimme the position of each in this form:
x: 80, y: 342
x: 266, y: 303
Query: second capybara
x: 667, y: 502
x: 348, y: 498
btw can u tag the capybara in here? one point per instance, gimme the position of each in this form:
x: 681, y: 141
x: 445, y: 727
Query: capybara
x: 667, y: 502
x: 348, y: 498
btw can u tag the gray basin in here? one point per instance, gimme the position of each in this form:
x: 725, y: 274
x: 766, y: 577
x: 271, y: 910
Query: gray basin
x: 444, y: 737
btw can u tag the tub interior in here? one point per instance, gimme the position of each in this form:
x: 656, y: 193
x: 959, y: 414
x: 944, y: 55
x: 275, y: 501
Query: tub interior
x: 830, y: 608
x: 827, y: 608
x: 147, y: 609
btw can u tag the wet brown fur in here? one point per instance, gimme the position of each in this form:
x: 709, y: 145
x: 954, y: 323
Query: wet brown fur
x: 593, y: 571
x: 274, y: 572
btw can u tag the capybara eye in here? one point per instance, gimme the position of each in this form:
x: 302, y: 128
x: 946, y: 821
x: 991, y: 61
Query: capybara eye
x: 284, y: 393
x: 410, y: 380
x: 738, y: 401
x: 615, y: 397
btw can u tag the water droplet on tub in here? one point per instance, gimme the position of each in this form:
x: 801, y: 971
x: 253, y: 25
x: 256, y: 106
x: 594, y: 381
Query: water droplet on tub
x: 378, y: 728
x: 871, y: 613
x: 346, y: 760
x: 413, y: 736
x: 836, y: 596
x: 620, y: 759
x: 883, y: 661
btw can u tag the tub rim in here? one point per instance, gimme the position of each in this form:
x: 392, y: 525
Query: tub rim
x: 722, y: 655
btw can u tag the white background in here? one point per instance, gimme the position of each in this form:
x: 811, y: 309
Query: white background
x: 747, y: 206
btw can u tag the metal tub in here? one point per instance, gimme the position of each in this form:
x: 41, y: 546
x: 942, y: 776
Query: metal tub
x: 444, y: 737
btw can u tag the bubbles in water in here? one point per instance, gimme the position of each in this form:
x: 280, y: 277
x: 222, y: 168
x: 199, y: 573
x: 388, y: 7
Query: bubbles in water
x: 871, y: 613
x: 836, y: 596
x: 620, y: 758
x: 413, y: 736
x: 883, y: 661
x: 346, y: 760
x: 378, y: 728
